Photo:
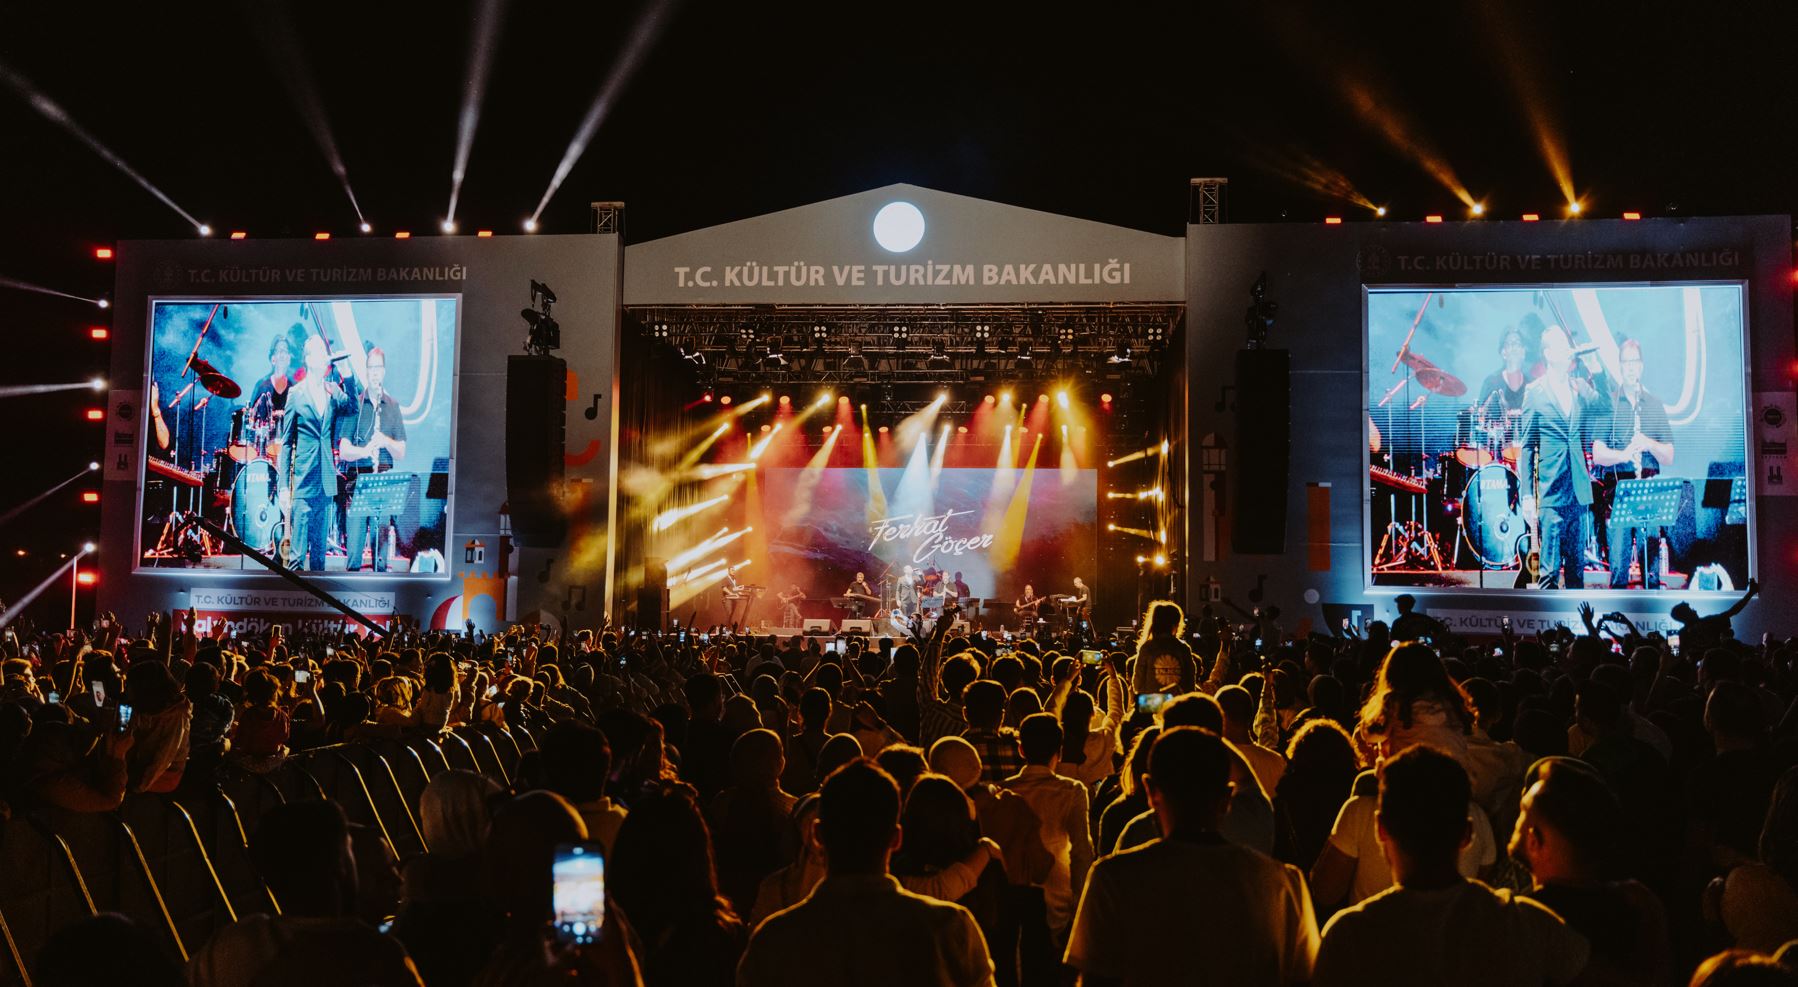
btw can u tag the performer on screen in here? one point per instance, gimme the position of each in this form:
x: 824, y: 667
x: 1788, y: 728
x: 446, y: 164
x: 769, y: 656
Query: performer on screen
x: 1501, y: 394
x: 860, y: 594
x: 957, y: 588
x: 270, y: 393
x: 734, y: 598
x: 1558, y: 411
x: 1638, y: 444
x: 305, y: 470
x: 376, y: 442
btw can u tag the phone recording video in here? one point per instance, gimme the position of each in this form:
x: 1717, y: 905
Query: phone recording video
x: 578, y: 876
x: 1089, y: 656
x: 301, y: 676
x: 1151, y: 702
x: 124, y: 717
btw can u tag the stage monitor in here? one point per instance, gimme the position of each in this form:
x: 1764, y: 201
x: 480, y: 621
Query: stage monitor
x: 1558, y: 438
x: 308, y: 430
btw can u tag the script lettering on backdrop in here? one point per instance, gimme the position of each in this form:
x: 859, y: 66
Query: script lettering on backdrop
x: 928, y: 535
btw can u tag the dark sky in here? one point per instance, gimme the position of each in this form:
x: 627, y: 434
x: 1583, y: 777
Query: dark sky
x: 1098, y: 110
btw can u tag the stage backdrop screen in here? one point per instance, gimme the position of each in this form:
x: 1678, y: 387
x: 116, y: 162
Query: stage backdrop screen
x: 999, y: 530
x: 318, y: 431
x: 1558, y: 438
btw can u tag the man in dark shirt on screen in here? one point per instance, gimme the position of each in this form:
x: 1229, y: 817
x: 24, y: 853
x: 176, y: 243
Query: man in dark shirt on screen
x: 1558, y: 412
x: 377, y: 441
x: 1638, y: 444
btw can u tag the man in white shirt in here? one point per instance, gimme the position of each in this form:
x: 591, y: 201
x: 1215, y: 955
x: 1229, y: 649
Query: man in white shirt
x: 1352, y: 868
x: 1061, y: 803
x: 1242, y: 918
x: 858, y: 926
x: 1435, y: 926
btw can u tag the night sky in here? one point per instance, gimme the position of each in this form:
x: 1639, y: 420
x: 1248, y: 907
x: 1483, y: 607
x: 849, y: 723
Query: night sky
x: 1101, y: 111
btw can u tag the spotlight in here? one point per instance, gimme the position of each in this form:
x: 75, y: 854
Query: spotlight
x: 1061, y: 398
x: 90, y: 548
x: 93, y: 466
x: 900, y: 335
x: 707, y: 396
x: 766, y: 427
x: 447, y: 226
x: 1574, y: 207
x: 883, y: 430
x: 1105, y: 399
x: 103, y: 303
x: 989, y: 399
x: 724, y: 400
x: 786, y: 400
x: 1005, y: 397
x: 205, y: 230
x: 1478, y: 209
x: 820, y: 333
x: 367, y: 227
x: 1379, y: 210
x: 98, y: 383
x: 1065, y: 336
x: 962, y: 429
x: 659, y: 330
x: 1160, y: 560
x: 530, y: 225
x: 823, y: 399
x: 1157, y: 334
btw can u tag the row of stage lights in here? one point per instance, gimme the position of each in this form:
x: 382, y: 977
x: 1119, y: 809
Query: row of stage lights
x: 1573, y: 210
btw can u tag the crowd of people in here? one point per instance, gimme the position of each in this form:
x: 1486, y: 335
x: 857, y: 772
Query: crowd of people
x: 1211, y: 802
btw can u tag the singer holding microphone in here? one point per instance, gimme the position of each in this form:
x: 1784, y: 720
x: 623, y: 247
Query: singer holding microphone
x: 1559, y: 411
x: 305, y: 469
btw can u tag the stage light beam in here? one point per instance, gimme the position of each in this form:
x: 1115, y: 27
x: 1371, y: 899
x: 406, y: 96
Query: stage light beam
x: 636, y: 48
x: 273, y: 26
x: 50, y: 110
x: 483, y: 44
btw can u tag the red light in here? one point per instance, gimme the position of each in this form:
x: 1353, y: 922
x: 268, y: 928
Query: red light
x: 963, y: 429
x: 1632, y: 215
x: 238, y: 234
x: 883, y: 430
x: 785, y: 400
x: 86, y: 578
x: 706, y: 397
x: 1332, y: 220
x: 102, y: 253
x: 96, y: 414
x: 1432, y: 218
x: 100, y: 332
x: 989, y: 399
x: 321, y: 236
x: 483, y: 233
x: 1104, y: 399
x: 90, y: 497
x: 401, y: 235
x: 724, y: 400
x: 1530, y: 217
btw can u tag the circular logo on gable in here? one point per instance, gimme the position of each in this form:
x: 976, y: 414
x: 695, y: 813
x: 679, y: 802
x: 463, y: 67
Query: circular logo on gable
x: 166, y: 275
x: 1376, y: 263
x: 1773, y: 416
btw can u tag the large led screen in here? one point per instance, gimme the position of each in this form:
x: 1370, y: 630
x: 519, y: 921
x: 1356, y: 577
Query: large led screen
x: 1558, y: 438
x: 316, y: 432
x: 994, y: 530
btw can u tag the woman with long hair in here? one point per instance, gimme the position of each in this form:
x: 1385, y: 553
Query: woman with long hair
x: 1320, y: 772
x: 942, y: 839
x: 431, y: 712
x: 662, y: 875
x: 1414, y: 701
x: 1133, y: 800
x: 1164, y: 662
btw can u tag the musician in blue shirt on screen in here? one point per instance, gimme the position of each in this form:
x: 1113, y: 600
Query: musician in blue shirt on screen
x: 1637, y: 445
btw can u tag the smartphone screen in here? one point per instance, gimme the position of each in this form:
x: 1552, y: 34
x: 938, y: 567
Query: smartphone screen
x: 54, y: 698
x: 301, y: 676
x: 124, y: 717
x: 578, y: 876
x: 1091, y: 657
x: 1673, y: 642
x: 1151, y: 702
x: 98, y: 689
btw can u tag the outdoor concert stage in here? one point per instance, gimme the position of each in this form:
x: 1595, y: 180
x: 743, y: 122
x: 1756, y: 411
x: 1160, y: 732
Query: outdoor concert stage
x: 905, y: 377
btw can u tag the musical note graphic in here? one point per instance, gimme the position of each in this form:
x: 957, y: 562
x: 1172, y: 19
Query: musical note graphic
x: 592, y: 411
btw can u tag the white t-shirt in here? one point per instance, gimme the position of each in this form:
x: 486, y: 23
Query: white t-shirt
x: 1241, y: 917
x: 1467, y: 934
x: 1356, y: 834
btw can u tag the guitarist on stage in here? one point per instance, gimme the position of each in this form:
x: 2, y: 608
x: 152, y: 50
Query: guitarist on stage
x: 1558, y: 412
x: 1638, y: 444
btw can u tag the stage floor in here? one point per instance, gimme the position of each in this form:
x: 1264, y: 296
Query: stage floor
x: 1596, y: 579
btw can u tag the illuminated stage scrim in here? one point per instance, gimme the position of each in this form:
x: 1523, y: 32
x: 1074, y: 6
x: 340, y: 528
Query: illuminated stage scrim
x: 999, y: 529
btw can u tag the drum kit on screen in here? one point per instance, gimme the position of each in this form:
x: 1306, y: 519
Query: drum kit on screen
x: 236, y: 485
x: 1473, y: 486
